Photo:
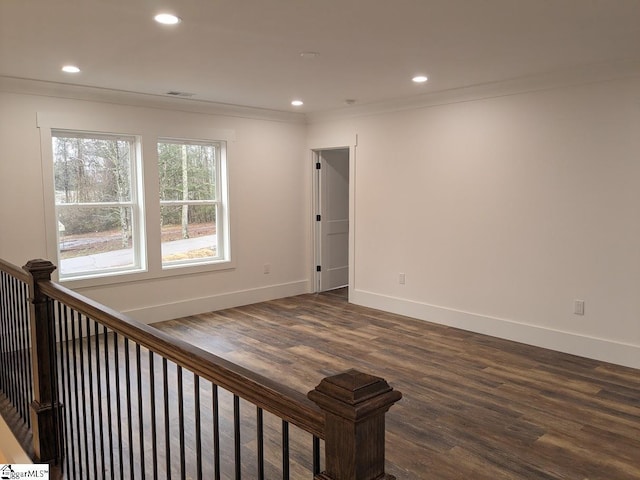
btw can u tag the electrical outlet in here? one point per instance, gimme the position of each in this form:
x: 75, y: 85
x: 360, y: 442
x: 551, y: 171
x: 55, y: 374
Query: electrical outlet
x: 267, y: 268
x: 401, y: 278
x: 578, y: 307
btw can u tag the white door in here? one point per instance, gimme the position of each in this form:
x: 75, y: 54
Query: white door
x: 333, y: 218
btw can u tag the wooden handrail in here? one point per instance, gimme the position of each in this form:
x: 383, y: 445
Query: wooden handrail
x: 347, y: 410
x: 14, y: 271
x: 271, y: 396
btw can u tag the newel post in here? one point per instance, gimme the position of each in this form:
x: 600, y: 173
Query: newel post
x: 354, y: 404
x: 44, y: 404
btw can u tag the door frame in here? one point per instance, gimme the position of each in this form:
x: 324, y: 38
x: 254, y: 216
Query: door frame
x: 317, y: 250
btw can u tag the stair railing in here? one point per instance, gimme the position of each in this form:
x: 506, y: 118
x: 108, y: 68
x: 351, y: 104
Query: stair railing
x: 109, y: 397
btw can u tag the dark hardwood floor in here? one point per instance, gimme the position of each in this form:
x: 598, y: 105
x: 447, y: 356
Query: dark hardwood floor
x: 474, y: 407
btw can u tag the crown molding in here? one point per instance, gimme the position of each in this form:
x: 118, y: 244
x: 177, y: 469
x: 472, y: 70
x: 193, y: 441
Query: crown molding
x: 584, y: 75
x: 548, y: 81
x: 121, y: 97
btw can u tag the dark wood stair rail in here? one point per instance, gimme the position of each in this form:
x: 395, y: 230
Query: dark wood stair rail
x: 346, y: 410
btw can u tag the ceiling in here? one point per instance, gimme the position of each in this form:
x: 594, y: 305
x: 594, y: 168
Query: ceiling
x: 248, y: 52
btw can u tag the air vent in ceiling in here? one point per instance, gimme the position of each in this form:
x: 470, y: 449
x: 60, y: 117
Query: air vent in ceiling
x: 175, y: 93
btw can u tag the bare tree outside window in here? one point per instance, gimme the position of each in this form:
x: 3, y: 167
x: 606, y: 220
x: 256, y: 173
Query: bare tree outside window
x: 189, y: 202
x: 99, y: 210
x: 95, y: 202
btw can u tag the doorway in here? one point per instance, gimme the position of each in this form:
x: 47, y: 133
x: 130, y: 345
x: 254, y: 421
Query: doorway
x: 332, y: 218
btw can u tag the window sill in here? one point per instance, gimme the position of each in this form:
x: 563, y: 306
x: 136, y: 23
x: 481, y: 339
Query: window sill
x: 119, y: 278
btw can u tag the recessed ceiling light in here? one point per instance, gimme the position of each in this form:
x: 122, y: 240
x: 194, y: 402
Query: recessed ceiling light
x: 309, y: 54
x: 297, y: 103
x: 420, y: 78
x: 70, y: 69
x: 167, y: 19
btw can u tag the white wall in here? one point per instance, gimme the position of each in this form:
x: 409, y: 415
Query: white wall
x: 501, y: 212
x: 269, y: 199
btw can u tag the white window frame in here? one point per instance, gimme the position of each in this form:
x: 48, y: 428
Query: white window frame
x: 220, y: 202
x: 137, y: 213
x: 134, y: 123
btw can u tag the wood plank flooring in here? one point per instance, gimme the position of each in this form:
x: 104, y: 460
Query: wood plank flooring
x: 474, y: 407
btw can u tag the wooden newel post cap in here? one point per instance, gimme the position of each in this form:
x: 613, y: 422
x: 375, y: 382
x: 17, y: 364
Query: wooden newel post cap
x: 39, y: 269
x: 354, y: 404
x: 354, y: 395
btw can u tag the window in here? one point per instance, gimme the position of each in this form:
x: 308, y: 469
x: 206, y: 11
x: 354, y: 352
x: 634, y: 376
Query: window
x: 96, y: 203
x: 96, y: 216
x: 193, y: 206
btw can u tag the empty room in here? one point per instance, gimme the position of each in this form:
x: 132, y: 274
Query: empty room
x: 332, y: 240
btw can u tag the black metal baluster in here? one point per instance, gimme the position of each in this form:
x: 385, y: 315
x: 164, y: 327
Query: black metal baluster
x: 316, y: 455
x: 83, y: 392
x: 92, y: 422
x: 96, y: 331
x: 23, y: 326
x: 196, y: 407
x: 260, y: 441
x: 127, y: 374
x: 76, y: 389
x: 216, y: 430
x: 24, y: 295
x: 183, y: 474
x: 116, y: 359
x: 17, y: 325
x: 20, y: 358
x: 236, y: 436
x: 154, y: 428
x: 64, y: 375
x: 4, y: 338
x: 105, y: 341
x: 140, y: 413
x: 72, y: 432
x: 285, y: 450
x: 58, y: 416
x: 4, y: 309
x: 25, y: 301
x: 167, y: 438
x: 8, y: 350
x: 12, y: 348
x: 13, y: 338
x: 20, y: 403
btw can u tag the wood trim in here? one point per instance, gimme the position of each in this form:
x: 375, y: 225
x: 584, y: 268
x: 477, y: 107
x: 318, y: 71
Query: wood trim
x: 14, y: 271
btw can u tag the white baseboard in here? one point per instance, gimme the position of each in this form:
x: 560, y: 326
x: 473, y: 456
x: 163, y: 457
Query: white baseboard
x: 610, y: 351
x: 193, y: 306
